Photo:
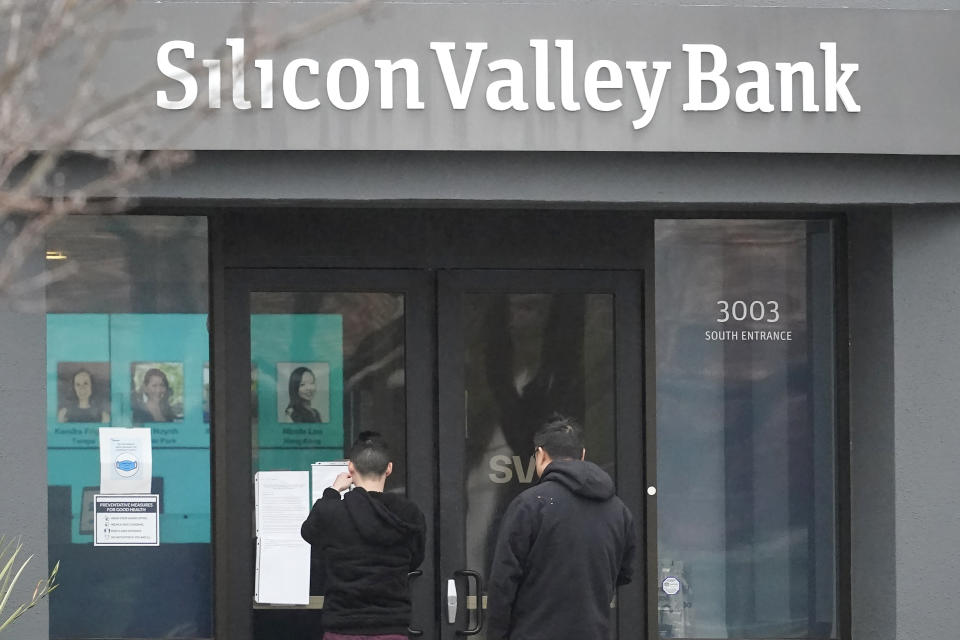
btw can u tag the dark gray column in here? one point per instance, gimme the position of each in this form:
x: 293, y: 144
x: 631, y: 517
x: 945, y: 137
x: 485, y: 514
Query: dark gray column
x: 872, y: 455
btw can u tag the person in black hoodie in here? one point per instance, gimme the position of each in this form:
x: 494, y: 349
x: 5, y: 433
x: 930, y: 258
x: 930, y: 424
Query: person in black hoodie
x: 563, y: 548
x: 369, y: 542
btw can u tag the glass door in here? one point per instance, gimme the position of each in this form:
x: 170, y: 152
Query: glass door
x: 312, y: 358
x: 457, y: 369
x: 514, y: 348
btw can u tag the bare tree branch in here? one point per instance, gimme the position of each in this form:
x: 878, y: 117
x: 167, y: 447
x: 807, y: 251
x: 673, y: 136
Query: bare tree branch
x: 33, y: 148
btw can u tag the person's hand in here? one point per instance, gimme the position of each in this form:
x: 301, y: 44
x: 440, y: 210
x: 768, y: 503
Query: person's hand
x: 342, y: 482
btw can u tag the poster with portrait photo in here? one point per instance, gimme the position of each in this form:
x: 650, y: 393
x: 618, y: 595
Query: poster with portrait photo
x: 156, y: 391
x: 303, y: 392
x: 83, y: 392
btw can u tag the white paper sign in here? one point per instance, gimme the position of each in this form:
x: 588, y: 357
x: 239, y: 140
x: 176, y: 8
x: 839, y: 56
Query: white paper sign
x: 126, y: 461
x: 283, y: 557
x: 281, y: 503
x: 323, y: 474
x: 282, y: 572
x: 126, y: 520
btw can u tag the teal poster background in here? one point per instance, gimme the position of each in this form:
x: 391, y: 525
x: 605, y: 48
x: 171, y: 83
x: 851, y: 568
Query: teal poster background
x: 296, y: 338
x: 181, y: 450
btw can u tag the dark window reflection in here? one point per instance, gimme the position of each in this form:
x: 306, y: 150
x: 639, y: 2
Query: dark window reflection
x: 745, y: 429
x: 528, y: 356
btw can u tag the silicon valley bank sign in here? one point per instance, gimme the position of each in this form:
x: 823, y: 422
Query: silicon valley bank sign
x: 552, y: 76
x: 633, y: 87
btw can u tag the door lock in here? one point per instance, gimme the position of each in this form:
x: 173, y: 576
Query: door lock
x: 451, y: 601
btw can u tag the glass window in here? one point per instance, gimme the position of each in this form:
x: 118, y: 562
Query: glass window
x: 127, y: 345
x: 745, y: 429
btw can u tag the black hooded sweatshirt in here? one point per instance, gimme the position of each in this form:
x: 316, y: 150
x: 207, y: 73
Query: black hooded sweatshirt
x: 369, y: 542
x: 564, y: 546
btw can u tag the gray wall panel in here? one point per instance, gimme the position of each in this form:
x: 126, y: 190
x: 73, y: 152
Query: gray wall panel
x: 23, y: 443
x: 897, y: 100
x: 926, y: 300
x: 666, y: 179
x: 822, y: 4
x: 815, y: 4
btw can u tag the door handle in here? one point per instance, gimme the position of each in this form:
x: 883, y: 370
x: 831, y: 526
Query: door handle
x: 412, y: 631
x: 467, y: 573
x: 451, y: 601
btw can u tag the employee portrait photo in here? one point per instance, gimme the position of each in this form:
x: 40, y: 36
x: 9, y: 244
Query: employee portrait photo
x: 83, y: 392
x: 156, y: 391
x: 303, y: 392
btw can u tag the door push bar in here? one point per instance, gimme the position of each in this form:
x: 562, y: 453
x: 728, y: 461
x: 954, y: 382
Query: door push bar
x: 411, y: 631
x: 452, y: 601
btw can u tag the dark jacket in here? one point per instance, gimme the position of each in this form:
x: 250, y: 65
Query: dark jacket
x: 369, y: 542
x: 564, y: 546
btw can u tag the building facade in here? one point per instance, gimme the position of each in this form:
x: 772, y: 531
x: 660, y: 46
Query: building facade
x: 725, y: 239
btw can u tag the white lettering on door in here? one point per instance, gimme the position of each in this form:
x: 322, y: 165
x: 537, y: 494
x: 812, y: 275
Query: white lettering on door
x: 504, y: 467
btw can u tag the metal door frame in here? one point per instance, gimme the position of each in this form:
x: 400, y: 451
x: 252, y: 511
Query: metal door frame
x: 231, y: 442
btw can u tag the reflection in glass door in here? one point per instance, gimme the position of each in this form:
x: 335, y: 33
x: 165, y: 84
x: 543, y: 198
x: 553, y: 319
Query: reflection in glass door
x: 324, y: 367
x: 528, y: 356
x: 516, y: 348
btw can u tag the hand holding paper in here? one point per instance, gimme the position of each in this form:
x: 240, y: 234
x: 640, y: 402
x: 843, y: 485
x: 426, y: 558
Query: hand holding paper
x: 342, y: 482
x: 324, y: 474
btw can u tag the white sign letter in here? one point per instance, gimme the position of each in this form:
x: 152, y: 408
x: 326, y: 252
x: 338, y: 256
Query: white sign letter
x: 698, y: 76
x: 566, y: 75
x: 237, y: 62
x: 333, y: 84
x: 649, y: 98
x: 266, y: 82
x: 411, y: 71
x: 544, y: 103
x: 290, y: 83
x: 787, y: 71
x: 761, y: 85
x: 459, y: 93
x: 513, y: 85
x: 833, y: 86
x: 174, y: 72
x: 592, y: 84
x: 213, y: 82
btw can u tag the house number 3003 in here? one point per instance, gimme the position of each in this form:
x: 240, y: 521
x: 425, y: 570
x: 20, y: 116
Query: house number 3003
x: 756, y: 310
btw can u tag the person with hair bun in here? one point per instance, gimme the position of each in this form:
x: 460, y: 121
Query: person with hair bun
x: 369, y: 542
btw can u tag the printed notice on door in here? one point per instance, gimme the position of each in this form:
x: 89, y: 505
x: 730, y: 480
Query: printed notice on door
x: 127, y: 520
